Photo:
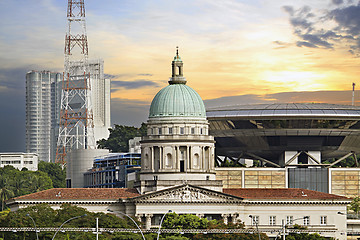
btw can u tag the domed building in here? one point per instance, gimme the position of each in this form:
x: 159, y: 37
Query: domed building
x: 178, y: 175
x: 177, y: 148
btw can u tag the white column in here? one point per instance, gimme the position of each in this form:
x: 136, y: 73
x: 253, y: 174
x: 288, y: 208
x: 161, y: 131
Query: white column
x: 187, y: 162
x: 152, y: 159
x: 225, y: 217
x: 148, y: 221
x: 161, y: 158
x: 177, y: 150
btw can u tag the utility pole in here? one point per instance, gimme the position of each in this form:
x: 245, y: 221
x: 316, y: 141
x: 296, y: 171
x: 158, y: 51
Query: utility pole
x: 76, y: 127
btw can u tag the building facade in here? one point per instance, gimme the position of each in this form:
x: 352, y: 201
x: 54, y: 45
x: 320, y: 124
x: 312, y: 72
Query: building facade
x: 20, y: 160
x: 112, y: 170
x: 178, y: 147
x: 271, y: 208
x: 42, y: 112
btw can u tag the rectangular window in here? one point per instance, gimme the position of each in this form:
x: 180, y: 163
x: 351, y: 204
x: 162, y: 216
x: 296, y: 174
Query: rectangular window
x: 255, y: 220
x: 307, y: 220
x: 272, y: 220
x: 160, y: 131
x: 192, y: 130
x: 323, y: 220
x: 201, y: 131
x: 170, y: 131
x: 289, y: 220
x: 181, y: 130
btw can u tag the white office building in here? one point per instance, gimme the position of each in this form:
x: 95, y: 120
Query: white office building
x: 43, y: 96
x: 19, y: 160
x: 42, y: 112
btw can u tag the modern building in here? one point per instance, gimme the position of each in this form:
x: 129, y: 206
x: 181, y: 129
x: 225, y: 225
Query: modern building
x: 20, y: 160
x: 298, y: 145
x: 100, y: 96
x: 101, y: 87
x: 79, y: 161
x: 111, y: 171
x: 42, y: 112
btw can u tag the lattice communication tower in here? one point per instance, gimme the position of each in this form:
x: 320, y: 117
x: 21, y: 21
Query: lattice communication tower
x: 76, y: 128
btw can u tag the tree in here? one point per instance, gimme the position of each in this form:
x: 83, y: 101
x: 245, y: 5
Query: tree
x: 189, y: 221
x: 119, y: 137
x: 5, y: 194
x: 355, y: 206
x: 306, y: 236
x: 45, y: 216
x: 55, y: 172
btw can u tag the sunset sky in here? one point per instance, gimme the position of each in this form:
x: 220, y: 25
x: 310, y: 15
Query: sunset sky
x: 234, y: 52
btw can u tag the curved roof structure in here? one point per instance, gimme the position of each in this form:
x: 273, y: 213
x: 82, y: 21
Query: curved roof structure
x: 278, y: 110
x: 268, y: 130
x: 177, y: 100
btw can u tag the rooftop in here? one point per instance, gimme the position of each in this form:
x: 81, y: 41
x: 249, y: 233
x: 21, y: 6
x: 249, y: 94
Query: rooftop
x: 81, y: 193
x: 281, y: 193
x: 285, y: 110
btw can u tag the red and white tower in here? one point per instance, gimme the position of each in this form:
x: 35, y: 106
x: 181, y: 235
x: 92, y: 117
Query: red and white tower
x: 76, y: 130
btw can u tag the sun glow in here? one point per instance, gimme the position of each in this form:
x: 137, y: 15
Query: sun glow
x: 295, y: 80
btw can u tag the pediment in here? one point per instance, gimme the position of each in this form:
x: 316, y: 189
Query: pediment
x: 187, y: 194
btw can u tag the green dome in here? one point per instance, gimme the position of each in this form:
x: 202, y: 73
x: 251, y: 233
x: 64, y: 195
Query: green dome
x: 177, y: 100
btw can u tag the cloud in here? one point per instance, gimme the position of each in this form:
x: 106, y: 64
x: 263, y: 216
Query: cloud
x: 140, y: 83
x: 115, y: 76
x: 145, y: 74
x: 129, y: 112
x: 328, y: 29
x: 13, y: 78
x: 333, y: 97
x: 337, y: 2
x: 12, y: 105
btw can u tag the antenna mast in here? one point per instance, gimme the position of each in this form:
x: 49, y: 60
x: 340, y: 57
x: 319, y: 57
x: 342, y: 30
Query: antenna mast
x: 353, y: 94
x: 76, y: 128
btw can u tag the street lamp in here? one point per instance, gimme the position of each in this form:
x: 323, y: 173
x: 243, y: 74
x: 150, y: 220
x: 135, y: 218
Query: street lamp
x: 124, y: 214
x: 256, y: 224
x: 66, y: 222
x: 284, y: 225
x: 37, y: 236
x: 161, y: 221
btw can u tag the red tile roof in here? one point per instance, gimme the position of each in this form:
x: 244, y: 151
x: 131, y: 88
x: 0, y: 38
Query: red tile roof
x: 281, y: 193
x: 81, y: 193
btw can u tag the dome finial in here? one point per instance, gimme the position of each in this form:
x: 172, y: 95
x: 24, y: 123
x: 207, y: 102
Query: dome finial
x: 177, y: 70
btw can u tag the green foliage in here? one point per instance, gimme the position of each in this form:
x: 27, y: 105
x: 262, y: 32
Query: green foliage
x: 14, y: 183
x: 119, y: 137
x: 306, y: 236
x: 45, y: 216
x: 355, y: 205
x: 231, y: 163
x: 189, y: 221
x: 348, y: 162
x: 55, y: 172
x: 4, y: 195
